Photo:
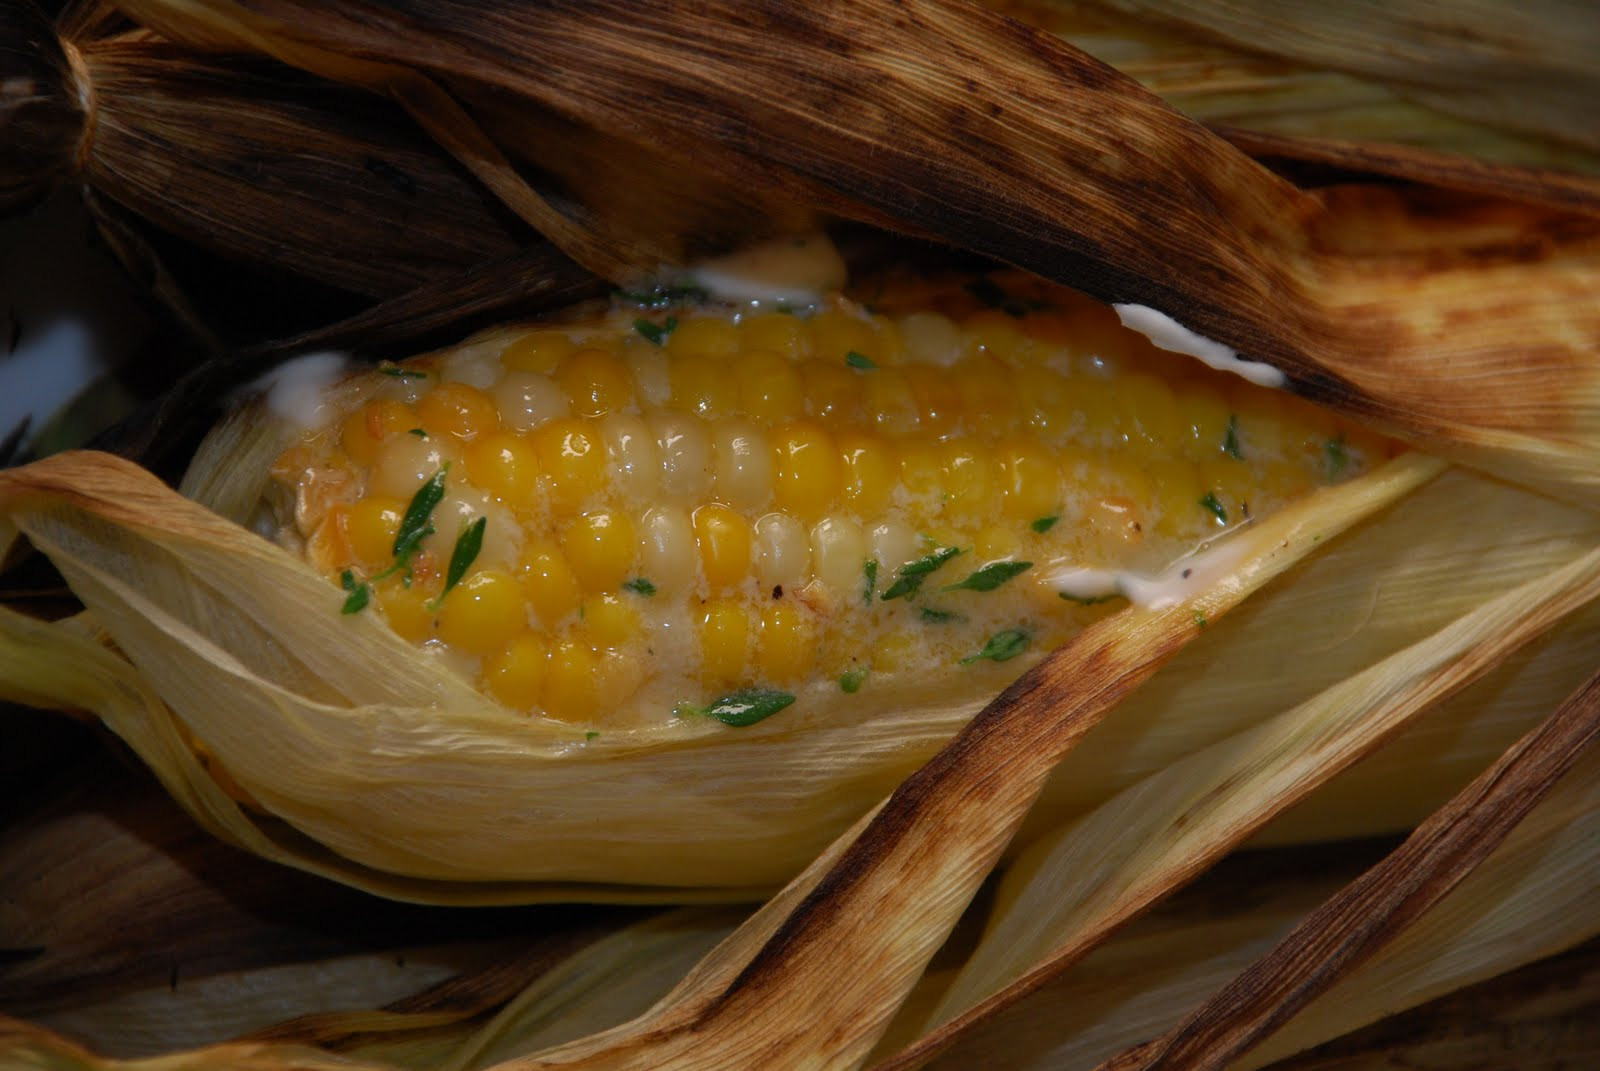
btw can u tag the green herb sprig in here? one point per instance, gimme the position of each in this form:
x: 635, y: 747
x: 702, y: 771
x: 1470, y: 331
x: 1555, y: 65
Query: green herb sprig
x: 1002, y: 647
x: 989, y: 577
x: 909, y: 581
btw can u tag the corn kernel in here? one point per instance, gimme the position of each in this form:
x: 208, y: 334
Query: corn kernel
x: 548, y: 582
x: 938, y: 399
x: 724, y: 641
x: 922, y: 470
x: 1029, y: 479
x: 986, y: 387
x: 596, y: 382
x: 1148, y: 409
x: 784, y: 645
x: 992, y: 332
x: 609, y: 622
x: 890, y: 405
x: 742, y: 460
x: 723, y: 538
x: 708, y: 336
x: 684, y: 449
x: 667, y: 550
x: 405, y: 608
x: 1046, y: 401
x: 893, y: 544
x: 782, y: 552
x: 406, y: 462
x: 832, y: 392
x: 1118, y: 521
x: 805, y: 469
x: 835, y: 333
x: 631, y: 456
x: 572, y: 462
x: 571, y: 681
x: 483, y: 612
x: 769, y: 387
x: 703, y: 385
x: 505, y: 465
x: 930, y: 338
x: 365, y: 430
x: 869, y: 470
x: 969, y: 482
x: 372, y: 526
x: 537, y: 351
x: 650, y: 369
x: 775, y: 332
x: 515, y: 675
x: 839, y: 555
x: 995, y: 543
x: 459, y: 410
x: 527, y: 399
x: 600, y: 547
x: 1205, y: 420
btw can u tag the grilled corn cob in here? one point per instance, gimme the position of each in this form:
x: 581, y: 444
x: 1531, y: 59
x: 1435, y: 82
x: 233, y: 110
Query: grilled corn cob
x: 611, y: 521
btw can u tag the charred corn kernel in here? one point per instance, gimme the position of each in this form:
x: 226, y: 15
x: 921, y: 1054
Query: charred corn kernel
x: 483, y: 612
x: 667, y: 552
x: 888, y: 398
x: 769, y: 387
x: 406, y: 462
x: 537, y: 351
x: 836, y: 333
x: 724, y: 640
x: 1029, y: 479
x: 831, y: 391
x: 504, y: 464
x: 783, y: 646
x: 571, y: 684
x: 742, y: 460
x: 527, y: 399
x: 516, y: 675
x: 601, y: 546
x: 782, y: 553
x: 548, y: 582
x: 775, y: 332
x: 723, y: 538
x: 684, y: 450
x: 805, y: 469
x: 839, y: 555
x: 760, y: 499
x: 364, y: 431
x: 572, y: 462
x: 868, y: 473
x: 372, y: 525
x: 596, y: 382
x: 930, y: 338
x: 459, y: 410
x: 631, y: 457
x: 609, y: 621
x: 709, y: 336
x: 703, y: 385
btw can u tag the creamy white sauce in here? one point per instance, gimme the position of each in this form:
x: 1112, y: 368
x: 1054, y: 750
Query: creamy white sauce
x: 1169, y: 334
x: 1179, y: 582
x: 792, y: 271
x: 297, y: 390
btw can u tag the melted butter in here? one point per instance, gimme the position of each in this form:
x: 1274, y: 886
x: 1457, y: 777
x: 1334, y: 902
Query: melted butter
x: 792, y: 271
x: 1169, y: 334
x: 1178, y: 583
x: 297, y: 390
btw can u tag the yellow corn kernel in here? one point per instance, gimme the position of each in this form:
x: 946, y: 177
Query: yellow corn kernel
x: 483, y: 612
x: 709, y: 336
x: 930, y: 339
x: 937, y: 397
x: 784, y: 645
x: 516, y: 675
x: 869, y: 469
x: 650, y: 369
x: 548, y: 582
x: 527, y: 399
x: 831, y: 392
x: 724, y: 641
x: 371, y: 527
x: 742, y: 460
x: 921, y: 469
x: 572, y: 462
x: 684, y: 450
x: 634, y: 465
x: 769, y: 387
x: 609, y: 622
x: 1046, y: 401
x: 537, y: 351
x: 667, y: 551
x: 1148, y: 409
x: 969, y: 481
x: 504, y: 464
x: 1095, y: 398
x: 781, y: 552
x: 775, y: 332
x: 723, y: 538
x: 890, y: 405
x: 459, y: 410
x: 366, y: 429
x: 405, y: 608
x: 600, y: 547
x: 992, y: 332
x: 986, y: 387
x: 571, y: 684
x: 406, y: 462
x: 836, y: 333
x: 805, y: 469
x: 1029, y: 479
x: 703, y: 385
x: 995, y: 543
x: 839, y: 556
x: 617, y: 676
x: 596, y: 382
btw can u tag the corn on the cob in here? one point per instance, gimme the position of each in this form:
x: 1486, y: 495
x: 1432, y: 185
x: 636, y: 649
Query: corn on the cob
x: 611, y: 520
